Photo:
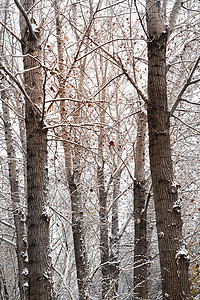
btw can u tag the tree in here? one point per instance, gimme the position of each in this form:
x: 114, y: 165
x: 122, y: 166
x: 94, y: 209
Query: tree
x: 18, y: 212
x: 39, y: 262
x: 173, y: 256
x: 140, y: 214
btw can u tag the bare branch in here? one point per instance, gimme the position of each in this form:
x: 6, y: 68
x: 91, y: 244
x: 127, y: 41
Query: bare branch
x: 8, y: 224
x: 10, y: 31
x: 141, y: 20
x: 7, y: 241
x: 119, y: 63
x: 188, y: 82
x: 187, y: 125
x: 35, y: 108
x: 107, y: 83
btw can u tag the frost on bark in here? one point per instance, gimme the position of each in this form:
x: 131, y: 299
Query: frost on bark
x: 174, y: 264
x: 18, y: 213
x: 39, y: 262
x: 140, y: 215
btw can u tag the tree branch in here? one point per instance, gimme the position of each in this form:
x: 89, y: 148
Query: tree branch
x: 35, y: 108
x: 188, y: 82
x: 9, y: 30
x: 117, y: 62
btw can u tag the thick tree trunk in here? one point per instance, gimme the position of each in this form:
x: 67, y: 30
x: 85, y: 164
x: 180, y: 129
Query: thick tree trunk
x: 140, y: 214
x: 173, y: 257
x: 19, y: 218
x: 40, y: 284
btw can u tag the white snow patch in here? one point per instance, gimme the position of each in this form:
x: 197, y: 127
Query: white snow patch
x: 177, y: 204
x: 25, y: 284
x: 46, y: 275
x: 25, y: 271
x: 182, y: 252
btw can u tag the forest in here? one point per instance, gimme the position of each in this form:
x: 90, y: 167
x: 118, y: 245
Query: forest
x: 99, y: 149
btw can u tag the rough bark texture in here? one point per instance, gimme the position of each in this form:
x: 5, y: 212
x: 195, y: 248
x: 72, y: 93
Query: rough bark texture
x: 19, y: 218
x: 40, y: 284
x: 173, y: 263
x: 140, y: 214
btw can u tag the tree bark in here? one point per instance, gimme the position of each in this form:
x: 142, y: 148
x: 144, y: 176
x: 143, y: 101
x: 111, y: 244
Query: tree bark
x: 102, y: 197
x: 140, y: 215
x: 103, y: 218
x: 18, y: 212
x: 173, y: 257
x: 40, y: 284
x: 19, y: 217
x: 114, y: 244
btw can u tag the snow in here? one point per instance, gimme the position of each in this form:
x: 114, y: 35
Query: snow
x: 25, y: 271
x: 182, y: 253
x: 177, y: 204
x: 25, y: 284
x: 161, y: 234
x: 46, y: 275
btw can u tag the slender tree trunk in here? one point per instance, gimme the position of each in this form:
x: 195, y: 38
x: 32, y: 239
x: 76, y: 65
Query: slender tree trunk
x: 173, y: 257
x: 140, y: 214
x: 19, y: 217
x: 104, y: 246
x: 18, y: 213
x: 114, y: 244
x: 40, y: 284
x: 72, y: 173
x: 103, y: 217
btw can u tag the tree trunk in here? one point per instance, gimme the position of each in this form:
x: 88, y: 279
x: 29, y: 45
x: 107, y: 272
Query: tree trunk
x: 140, y: 215
x: 40, y: 284
x: 18, y: 213
x: 173, y: 257
x: 114, y: 244
x: 104, y: 246
x: 102, y: 197
x: 19, y: 218
x: 72, y: 173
